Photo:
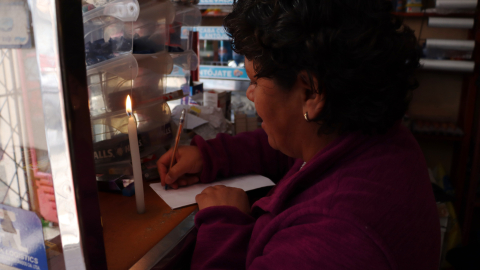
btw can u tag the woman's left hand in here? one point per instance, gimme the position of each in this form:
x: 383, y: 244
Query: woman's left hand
x: 221, y: 195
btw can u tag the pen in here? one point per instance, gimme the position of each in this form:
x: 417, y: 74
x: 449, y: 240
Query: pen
x: 177, y: 139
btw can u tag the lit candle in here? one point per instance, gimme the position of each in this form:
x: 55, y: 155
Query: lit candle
x: 135, y: 153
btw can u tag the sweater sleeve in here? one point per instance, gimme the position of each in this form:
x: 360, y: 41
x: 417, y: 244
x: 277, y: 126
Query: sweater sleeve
x: 245, y: 153
x: 320, y: 243
x: 222, y: 238
x: 317, y: 242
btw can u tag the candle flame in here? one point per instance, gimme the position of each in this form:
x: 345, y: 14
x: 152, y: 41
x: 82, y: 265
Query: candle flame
x: 128, y: 106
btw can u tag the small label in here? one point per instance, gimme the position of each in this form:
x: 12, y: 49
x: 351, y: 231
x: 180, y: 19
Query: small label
x: 195, y: 111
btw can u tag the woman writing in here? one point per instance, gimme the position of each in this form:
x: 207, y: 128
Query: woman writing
x: 331, y: 80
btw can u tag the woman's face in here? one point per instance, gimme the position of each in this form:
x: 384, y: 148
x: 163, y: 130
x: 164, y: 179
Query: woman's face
x: 280, y: 110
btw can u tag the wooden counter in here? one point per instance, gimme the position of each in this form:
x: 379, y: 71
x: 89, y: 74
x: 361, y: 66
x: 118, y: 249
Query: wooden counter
x: 129, y: 236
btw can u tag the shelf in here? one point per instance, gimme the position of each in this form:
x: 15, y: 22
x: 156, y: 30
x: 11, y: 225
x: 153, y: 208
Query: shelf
x: 400, y: 14
x: 437, y: 137
x: 424, y: 14
x: 220, y: 15
x: 436, y: 130
x: 476, y: 202
x: 447, y: 65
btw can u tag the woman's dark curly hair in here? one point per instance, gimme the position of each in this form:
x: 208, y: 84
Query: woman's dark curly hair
x: 361, y: 54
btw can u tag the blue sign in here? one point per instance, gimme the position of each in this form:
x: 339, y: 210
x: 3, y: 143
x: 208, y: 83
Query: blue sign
x: 215, y: 2
x: 185, y: 31
x: 21, y: 239
x: 216, y: 72
x: 212, y: 33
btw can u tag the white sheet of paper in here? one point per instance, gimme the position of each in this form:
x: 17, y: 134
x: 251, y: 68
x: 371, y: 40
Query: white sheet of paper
x: 191, y: 121
x: 184, y: 196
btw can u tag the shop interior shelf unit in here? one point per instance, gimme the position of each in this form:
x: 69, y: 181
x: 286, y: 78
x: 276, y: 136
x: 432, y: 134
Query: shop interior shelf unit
x: 468, y: 68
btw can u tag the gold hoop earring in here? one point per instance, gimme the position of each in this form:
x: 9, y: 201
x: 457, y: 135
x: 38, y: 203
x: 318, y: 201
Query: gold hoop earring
x: 306, y: 117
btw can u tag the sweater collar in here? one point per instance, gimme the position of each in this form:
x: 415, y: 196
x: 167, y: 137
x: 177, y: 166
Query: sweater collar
x: 296, y: 180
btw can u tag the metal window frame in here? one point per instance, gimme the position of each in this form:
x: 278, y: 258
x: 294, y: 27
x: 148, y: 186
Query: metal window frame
x: 15, y: 128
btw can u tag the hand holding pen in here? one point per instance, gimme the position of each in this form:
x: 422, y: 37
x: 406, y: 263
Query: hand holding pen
x: 182, y: 168
x: 177, y: 140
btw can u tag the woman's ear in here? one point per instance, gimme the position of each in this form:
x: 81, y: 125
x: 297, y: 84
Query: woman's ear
x: 314, y: 95
x: 308, y: 83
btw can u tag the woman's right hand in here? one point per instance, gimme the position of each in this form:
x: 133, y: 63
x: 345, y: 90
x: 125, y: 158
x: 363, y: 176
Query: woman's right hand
x: 186, y: 169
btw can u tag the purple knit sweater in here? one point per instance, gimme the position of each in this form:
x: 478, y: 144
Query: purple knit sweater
x: 363, y: 202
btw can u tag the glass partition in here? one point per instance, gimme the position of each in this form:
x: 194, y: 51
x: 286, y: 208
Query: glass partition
x: 42, y: 222
x: 51, y: 213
